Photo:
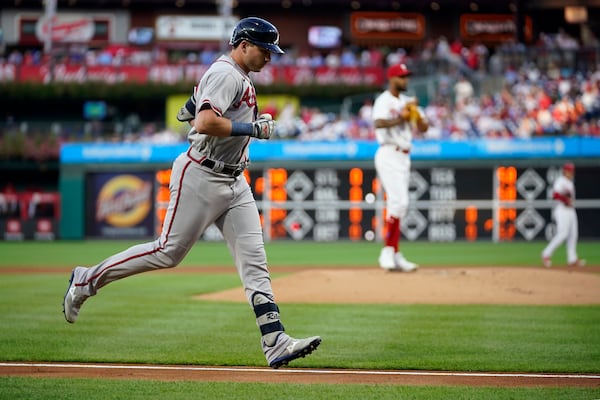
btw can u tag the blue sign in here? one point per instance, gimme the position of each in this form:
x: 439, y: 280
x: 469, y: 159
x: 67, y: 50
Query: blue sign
x: 110, y: 153
x: 289, y: 150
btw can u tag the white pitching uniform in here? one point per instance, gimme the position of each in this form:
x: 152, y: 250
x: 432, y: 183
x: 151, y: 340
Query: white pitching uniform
x: 392, y: 158
x: 395, y: 116
x: 565, y: 216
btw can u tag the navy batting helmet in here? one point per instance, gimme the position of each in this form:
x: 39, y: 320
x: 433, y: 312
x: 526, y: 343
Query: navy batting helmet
x: 257, y: 31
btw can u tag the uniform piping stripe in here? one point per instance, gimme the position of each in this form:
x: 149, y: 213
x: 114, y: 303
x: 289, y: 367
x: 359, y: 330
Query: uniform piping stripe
x: 189, y: 154
x: 148, y: 252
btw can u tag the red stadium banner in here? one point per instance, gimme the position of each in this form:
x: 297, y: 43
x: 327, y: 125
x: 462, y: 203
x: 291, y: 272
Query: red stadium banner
x: 172, y: 74
x: 32, y: 73
x: 166, y: 74
x: 348, y: 75
x: 109, y: 74
x: 193, y: 73
x: 297, y: 76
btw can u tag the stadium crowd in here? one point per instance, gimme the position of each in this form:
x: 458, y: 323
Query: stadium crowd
x: 549, y: 89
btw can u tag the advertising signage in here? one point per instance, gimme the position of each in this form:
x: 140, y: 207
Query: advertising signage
x: 387, y: 25
x: 492, y: 27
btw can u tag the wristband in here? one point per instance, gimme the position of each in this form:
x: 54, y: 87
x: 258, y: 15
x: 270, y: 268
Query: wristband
x: 242, y: 129
x: 190, y: 105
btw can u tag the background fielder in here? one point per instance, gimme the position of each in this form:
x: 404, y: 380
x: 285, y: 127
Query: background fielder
x: 207, y: 186
x: 565, y: 216
x: 395, y: 116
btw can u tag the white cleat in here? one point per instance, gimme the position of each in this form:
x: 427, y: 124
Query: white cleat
x: 386, y: 258
x: 402, y: 264
x: 287, y: 349
x: 391, y: 261
x: 547, y: 262
x: 578, y: 263
x: 73, y: 300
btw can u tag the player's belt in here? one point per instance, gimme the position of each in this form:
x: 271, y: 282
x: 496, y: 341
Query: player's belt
x: 398, y: 148
x: 225, y: 170
x: 219, y: 167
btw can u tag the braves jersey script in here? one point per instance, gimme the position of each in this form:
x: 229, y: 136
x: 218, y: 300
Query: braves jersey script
x: 564, y: 186
x: 230, y: 93
x: 387, y: 106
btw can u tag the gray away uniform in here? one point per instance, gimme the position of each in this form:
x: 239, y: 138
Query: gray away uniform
x: 201, y: 195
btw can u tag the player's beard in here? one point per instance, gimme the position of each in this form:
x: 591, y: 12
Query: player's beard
x: 400, y: 85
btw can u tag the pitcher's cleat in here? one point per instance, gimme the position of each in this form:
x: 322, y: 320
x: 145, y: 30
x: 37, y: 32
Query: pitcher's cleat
x: 578, y: 263
x: 547, y: 262
x: 386, y: 258
x: 402, y: 264
x: 287, y: 349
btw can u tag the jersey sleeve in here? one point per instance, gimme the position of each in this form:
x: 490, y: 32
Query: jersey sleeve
x: 219, y: 91
x: 381, y: 108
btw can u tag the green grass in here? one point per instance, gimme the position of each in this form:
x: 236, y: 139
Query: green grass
x: 286, y: 253
x: 29, y: 389
x: 153, y: 318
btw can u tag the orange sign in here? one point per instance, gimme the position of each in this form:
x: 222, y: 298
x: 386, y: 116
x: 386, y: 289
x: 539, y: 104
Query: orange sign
x: 492, y: 27
x: 387, y: 25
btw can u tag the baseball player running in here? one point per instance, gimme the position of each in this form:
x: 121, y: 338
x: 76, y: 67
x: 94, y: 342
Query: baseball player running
x: 563, y: 193
x: 395, y: 116
x: 207, y: 186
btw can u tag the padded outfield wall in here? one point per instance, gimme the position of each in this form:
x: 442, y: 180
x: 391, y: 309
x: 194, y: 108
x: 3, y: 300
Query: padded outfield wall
x: 493, y: 190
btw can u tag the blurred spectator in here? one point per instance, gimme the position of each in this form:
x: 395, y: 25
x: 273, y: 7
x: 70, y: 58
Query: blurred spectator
x: 348, y: 58
x: 316, y: 60
x: 463, y: 90
x: 333, y: 59
x: 15, y: 57
x: 270, y: 108
x: 288, y: 126
x: 507, y: 91
x: 208, y: 55
x: 365, y: 111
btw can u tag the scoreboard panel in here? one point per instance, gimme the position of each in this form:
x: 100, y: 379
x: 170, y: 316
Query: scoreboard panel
x: 447, y: 203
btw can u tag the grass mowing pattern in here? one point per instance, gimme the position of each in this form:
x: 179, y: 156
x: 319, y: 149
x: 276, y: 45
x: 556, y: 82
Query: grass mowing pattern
x: 152, y: 318
x: 308, y: 254
x: 96, y: 389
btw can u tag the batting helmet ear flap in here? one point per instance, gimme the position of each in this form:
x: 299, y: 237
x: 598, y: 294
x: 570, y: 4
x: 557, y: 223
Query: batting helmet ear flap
x: 257, y: 31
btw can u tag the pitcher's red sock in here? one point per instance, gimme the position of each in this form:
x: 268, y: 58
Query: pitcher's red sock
x: 393, y: 232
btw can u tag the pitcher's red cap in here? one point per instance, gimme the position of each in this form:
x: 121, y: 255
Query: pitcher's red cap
x: 397, y: 70
x: 569, y: 166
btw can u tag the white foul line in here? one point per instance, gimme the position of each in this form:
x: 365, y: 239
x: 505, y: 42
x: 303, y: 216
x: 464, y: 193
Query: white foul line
x: 303, y: 371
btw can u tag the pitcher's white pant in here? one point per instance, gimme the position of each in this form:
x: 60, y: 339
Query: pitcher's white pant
x: 566, y: 230
x: 198, y: 198
x: 393, y: 169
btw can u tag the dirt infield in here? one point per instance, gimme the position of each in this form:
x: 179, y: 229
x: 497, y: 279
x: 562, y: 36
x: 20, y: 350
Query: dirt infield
x: 488, y: 285
x: 478, y: 285
x: 295, y: 375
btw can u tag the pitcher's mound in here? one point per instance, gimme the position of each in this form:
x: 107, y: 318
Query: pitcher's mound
x: 487, y: 285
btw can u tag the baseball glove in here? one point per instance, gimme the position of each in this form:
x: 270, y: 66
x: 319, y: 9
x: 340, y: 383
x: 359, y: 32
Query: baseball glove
x: 414, y: 114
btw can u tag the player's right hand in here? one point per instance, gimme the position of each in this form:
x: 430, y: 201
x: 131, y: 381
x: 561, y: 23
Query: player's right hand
x: 263, y: 127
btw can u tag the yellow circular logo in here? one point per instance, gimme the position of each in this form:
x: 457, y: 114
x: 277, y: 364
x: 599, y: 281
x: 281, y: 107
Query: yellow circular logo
x: 124, y: 201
